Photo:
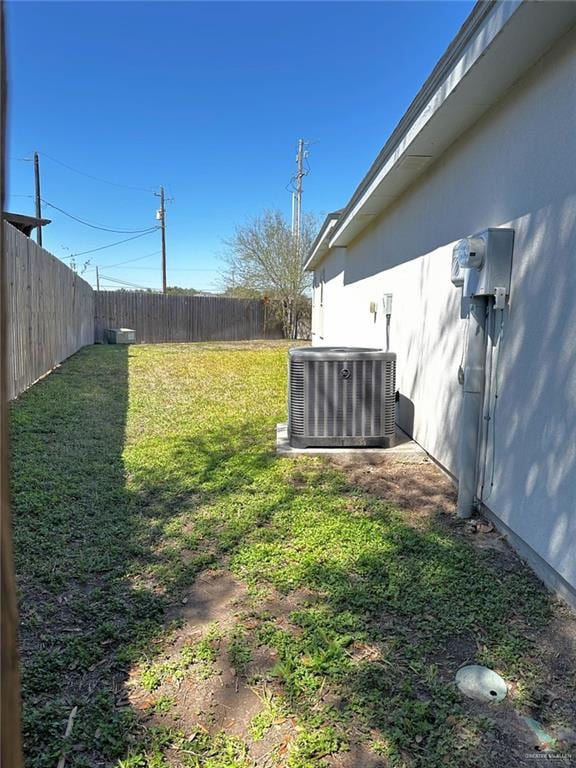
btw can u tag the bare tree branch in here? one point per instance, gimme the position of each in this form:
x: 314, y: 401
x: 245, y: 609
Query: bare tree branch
x: 262, y: 256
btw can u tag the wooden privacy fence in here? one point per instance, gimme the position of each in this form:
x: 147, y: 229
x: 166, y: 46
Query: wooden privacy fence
x: 159, y: 318
x: 50, y: 311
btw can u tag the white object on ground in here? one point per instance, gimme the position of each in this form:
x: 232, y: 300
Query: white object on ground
x: 481, y: 683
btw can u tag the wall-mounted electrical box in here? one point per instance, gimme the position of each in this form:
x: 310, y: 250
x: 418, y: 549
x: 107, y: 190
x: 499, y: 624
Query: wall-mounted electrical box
x: 482, y: 264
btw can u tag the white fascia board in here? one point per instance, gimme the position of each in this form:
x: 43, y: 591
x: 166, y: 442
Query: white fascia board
x: 321, y: 247
x: 509, y: 40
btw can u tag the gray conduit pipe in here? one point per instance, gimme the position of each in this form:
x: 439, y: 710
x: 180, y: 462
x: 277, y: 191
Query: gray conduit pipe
x: 470, y: 428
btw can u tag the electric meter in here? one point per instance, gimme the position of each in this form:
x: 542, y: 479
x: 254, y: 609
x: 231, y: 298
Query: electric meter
x: 482, y: 263
x: 470, y: 252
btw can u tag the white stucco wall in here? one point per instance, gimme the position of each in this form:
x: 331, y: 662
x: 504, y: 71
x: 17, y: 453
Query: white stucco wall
x: 515, y: 168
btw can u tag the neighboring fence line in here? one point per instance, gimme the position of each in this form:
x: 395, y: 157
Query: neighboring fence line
x: 162, y: 318
x: 50, y: 311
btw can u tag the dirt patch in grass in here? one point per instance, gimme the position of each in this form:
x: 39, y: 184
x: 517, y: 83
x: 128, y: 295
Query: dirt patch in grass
x: 414, y: 483
x: 215, y: 596
x: 224, y: 688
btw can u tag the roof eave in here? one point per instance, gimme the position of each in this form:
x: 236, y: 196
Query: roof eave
x: 319, y: 247
x: 495, y: 46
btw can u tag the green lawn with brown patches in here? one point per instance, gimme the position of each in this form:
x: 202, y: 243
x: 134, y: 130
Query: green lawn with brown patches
x: 204, y: 603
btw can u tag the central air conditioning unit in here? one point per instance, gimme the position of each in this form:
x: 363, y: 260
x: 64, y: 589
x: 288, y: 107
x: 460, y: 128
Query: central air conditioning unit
x: 341, y: 397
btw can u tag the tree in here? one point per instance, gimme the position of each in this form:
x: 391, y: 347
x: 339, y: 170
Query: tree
x: 176, y: 289
x: 243, y: 292
x: 263, y: 256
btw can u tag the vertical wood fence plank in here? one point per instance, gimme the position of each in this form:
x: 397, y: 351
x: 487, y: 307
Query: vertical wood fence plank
x: 50, y: 311
x: 10, y: 730
x: 172, y: 318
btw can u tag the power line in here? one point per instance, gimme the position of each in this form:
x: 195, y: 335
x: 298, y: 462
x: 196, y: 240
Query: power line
x: 98, y: 226
x: 110, y: 245
x: 129, y: 261
x: 149, y: 269
x: 174, y: 269
x: 124, y: 282
x: 94, y: 178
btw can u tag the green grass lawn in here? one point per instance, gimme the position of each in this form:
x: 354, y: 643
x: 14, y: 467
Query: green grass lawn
x: 203, y: 603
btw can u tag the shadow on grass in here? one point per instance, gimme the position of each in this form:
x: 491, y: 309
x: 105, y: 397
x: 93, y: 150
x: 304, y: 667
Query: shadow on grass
x: 94, y: 579
x: 398, y: 610
x: 104, y: 557
x: 72, y: 536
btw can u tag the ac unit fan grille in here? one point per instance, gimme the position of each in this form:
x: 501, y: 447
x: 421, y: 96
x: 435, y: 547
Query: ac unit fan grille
x: 363, y: 404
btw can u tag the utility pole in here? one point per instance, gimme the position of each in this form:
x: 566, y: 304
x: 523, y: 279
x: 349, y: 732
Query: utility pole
x: 162, y: 216
x: 97, y: 279
x: 297, y: 193
x: 37, y: 197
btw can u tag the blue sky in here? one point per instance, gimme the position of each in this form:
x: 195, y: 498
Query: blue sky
x: 208, y: 99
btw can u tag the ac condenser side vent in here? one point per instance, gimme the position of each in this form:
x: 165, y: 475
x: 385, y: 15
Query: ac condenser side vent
x: 296, y: 396
x: 341, y: 396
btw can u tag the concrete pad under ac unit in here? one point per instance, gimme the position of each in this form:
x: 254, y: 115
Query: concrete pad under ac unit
x: 403, y: 446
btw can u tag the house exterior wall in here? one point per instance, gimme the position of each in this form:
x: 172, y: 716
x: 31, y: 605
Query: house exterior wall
x: 515, y: 168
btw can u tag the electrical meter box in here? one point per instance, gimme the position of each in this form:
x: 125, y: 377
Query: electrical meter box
x: 485, y: 263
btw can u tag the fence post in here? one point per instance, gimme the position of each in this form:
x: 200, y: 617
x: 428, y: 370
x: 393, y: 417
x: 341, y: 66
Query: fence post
x: 11, y: 742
